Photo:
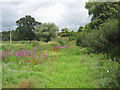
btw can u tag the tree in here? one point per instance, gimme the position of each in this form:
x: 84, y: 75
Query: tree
x: 101, y: 11
x: 5, y: 35
x: 65, y: 32
x: 81, y: 28
x: 14, y: 36
x: 46, y: 31
x: 26, y: 27
x: 72, y: 35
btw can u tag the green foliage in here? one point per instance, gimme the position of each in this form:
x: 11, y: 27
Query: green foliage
x: 109, y: 72
x: 72, y: 38
x: 26, y: 27
x: 110, y: 30
x: 88, y: 27
x: 59, y: 33
x: 69, y: 34
x: 101, y: 34
x: 61, y: 42
x: 46, y: 31
x: 14, y: 36
x: 81, y: 28
x: 119, y: 18
x: 74, y: 51
x: 5, y: 35
x: 80, y: 38
x: 68, y: 67
x: 101, y: 11
x: 72, y: 35
x: 95, y: 41
x: 65, y: 32
x: 103, y: 40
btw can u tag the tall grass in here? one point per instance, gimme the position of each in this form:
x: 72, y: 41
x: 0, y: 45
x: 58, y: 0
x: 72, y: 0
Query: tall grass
x: 66, y: 66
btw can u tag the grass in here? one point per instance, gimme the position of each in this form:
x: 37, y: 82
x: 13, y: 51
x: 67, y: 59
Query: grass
x: 63, y: 68
x: 64, y: 72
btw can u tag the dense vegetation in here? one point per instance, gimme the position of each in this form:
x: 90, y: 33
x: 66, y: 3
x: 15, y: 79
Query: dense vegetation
x: 50, y: 65
x: 103, y: 37
x: 86, y: 58
x: 46, y: 31
x: 26, y: 27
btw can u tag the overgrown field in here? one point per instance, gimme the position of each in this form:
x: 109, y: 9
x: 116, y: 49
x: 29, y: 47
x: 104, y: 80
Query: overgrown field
x: 55, y: 65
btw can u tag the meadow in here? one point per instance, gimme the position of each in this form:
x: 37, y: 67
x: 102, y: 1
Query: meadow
x: 66, y: 52
x: 55, y: 65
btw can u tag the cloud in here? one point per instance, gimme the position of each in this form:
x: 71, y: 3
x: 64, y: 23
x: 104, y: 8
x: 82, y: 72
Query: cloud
x: 67, y: 13
x: 75, y: 15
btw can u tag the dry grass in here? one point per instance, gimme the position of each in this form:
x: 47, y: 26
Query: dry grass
x: 25, y: 84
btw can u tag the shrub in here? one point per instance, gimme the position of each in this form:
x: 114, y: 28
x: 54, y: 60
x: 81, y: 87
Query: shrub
x: 61, y: 42
x: 109, y: 72
x: 80, y: 38
x: 72, y: 38
x: 84, y: 50
x: 110, y: 30
x: 101, y: 40
x: 95, y: 41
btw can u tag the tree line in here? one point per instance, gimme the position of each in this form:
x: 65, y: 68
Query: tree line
x: 29, y: 29
x: 101, y: 35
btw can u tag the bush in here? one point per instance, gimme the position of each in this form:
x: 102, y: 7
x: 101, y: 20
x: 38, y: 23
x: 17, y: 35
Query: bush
x: 80, y: 39
x: 72, y: 38
x: 108, y: 72
x: 95, y: 41
x: 61, y: 42
x: 110, y: 30
x: 101, y: 40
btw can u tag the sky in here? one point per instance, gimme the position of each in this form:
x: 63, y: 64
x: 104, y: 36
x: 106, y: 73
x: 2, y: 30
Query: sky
x: 69, y: 14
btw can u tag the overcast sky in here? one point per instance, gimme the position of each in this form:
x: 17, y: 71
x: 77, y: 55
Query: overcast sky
x: 64, y: 13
